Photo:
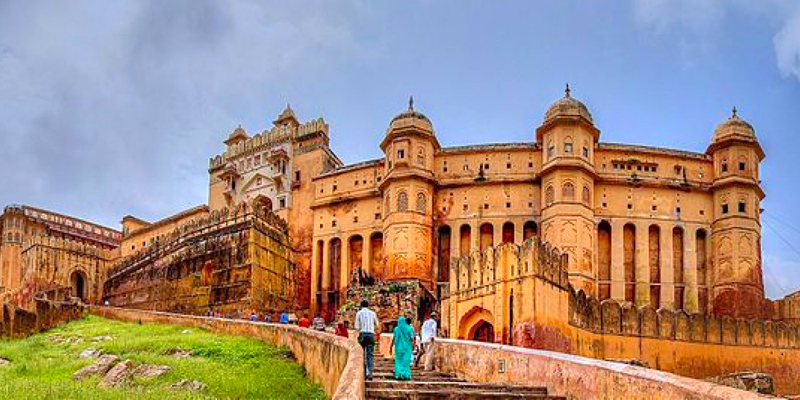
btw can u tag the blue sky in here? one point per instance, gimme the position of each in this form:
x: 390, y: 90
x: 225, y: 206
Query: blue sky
x: 114, y: 109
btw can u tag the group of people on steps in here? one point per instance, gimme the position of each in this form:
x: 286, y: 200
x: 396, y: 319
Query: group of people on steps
x: 403, y: 341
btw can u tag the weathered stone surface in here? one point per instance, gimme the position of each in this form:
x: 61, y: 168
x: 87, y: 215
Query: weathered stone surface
x: 178, y: 352
x: 750, y: 381
x: 119, y: 374
x: 190, y: 385
x: 90, y: 353
x: 101, y: 366
x: 150, y: 371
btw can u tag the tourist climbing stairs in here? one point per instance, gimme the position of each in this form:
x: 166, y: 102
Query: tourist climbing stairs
x: 433, y: 385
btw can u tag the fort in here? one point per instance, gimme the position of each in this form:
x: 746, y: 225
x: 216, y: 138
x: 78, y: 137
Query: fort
x: 563, y: 243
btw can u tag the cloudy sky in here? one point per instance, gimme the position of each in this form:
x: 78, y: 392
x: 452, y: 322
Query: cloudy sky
x: 113, y: 108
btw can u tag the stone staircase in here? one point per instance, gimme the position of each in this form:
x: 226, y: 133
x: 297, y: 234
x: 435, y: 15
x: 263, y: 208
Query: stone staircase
x: 432, y: 385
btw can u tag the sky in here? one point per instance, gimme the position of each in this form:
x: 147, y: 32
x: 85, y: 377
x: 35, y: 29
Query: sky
x: 114, y: 108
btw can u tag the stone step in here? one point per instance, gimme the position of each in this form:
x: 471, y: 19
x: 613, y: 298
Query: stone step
x: 451, y: 385
x: 413, y: 394
x: 427, y: 378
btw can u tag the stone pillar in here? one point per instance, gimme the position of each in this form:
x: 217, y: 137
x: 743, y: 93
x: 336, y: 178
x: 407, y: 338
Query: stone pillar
x: 617, y: 260
x: 667, y: 269
x: 642, y: 264
x: 690, y: 293
x: 344, y: 266
x: 326, y: 264
x: 366, y: 254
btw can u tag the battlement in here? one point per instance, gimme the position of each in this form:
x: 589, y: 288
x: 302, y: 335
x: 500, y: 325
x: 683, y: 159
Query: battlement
x: 612, y: 318
x: 277, y: 135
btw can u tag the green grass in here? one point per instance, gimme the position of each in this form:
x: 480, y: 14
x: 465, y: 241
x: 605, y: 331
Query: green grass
x: 232, y: 367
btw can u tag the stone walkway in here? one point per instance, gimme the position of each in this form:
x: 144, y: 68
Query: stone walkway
x: 436, y: 385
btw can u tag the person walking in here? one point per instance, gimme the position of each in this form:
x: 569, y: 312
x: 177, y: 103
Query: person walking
x: 403, y: 345
x: 318, y: 323
x: 366, y: 325
x: 428, y: 336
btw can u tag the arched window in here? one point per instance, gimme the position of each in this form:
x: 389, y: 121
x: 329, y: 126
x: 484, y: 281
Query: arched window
x: 586, y: 195
x: 402, y: 201
x: 568, y: 191
x: 568, y: 145
x: 549, y: 195
x: 421, y: 202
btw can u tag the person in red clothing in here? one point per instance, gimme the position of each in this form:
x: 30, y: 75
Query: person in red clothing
x: 304, y: 322
x: 341, y: 329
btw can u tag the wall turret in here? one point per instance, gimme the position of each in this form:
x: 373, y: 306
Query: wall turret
x: 568, y: 138
x: 407, y: 188
x: 737, y: 287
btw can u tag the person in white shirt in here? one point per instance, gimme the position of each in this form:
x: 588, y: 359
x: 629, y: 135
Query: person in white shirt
x: 366, y: 324
x: 427, y: 335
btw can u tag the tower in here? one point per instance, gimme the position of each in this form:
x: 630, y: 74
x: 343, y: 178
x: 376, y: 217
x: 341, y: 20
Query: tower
x: 568, y: 138
x: 737, y: 288
x: 407, y: 189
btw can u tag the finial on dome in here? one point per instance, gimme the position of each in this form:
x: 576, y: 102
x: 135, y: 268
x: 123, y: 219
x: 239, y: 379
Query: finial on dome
x: 411, y: 103
x: 567, y: 91
x: 734, y: 113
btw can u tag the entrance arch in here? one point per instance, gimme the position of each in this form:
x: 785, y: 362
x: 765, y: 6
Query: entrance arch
x: 477, y: 324
x: 78, y: 282
x: 484, y: 332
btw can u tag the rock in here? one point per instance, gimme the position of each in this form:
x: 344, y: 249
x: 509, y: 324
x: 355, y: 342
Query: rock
x: 751, y: 381
x: 119, y: 374
x: 185, y: 384
x: 101, y: 366
x: 91, y: 353
x: 178, y: 352
x: 150, y: 371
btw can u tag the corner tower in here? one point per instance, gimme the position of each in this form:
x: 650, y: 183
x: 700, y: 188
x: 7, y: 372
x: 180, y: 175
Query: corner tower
x: 407, y: 188
x: 737, y: 286
x: 568, y: 138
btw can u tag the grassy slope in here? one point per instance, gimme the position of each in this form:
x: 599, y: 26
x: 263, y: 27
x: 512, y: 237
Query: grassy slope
x: 232, y: 367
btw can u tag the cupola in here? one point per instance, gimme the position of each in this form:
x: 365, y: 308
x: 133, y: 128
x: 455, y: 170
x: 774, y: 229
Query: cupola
x: 734, y: 130
x: 568, y: 107
x: 237, y: 136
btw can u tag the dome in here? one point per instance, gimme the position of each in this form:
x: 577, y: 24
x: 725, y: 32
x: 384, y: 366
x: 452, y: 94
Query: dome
x: 568, y: 107
x: 237, y: 133
x: 734, y: 127
x: 411, y: 118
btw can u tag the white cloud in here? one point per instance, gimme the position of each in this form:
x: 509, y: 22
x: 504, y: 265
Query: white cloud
x: 787, y: 46
x: 663, y: 15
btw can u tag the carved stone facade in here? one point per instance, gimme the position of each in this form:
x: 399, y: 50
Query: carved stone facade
x: 641, y: 225
x: 231, y: 261
x: 42, y: 250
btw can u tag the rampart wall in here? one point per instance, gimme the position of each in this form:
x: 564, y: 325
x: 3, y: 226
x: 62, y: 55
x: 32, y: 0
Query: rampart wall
x: 232, y: 261
x: 547, y: 313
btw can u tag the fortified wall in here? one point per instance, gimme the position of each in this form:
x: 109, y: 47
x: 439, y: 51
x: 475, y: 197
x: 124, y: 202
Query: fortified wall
x: 232, y: 261
x: 521, y: 295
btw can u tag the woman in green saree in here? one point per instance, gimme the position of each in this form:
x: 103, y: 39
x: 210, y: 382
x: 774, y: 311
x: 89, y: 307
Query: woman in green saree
x: 403, y: 343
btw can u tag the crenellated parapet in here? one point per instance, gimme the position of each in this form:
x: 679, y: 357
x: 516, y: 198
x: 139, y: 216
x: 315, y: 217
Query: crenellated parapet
x: 479, y: 272
x: 268, y: 139
x: 611, y: 317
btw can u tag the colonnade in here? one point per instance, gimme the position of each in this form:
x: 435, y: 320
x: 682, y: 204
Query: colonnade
x: 662, y: 264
